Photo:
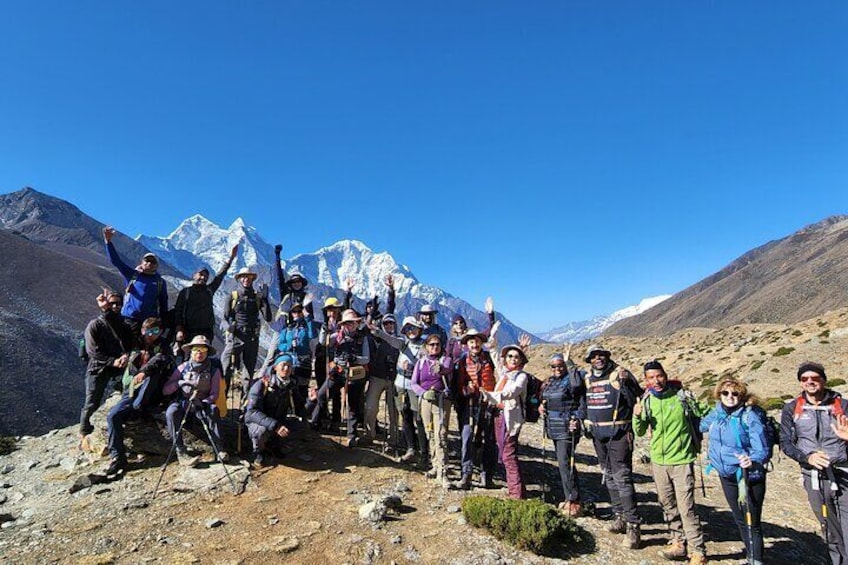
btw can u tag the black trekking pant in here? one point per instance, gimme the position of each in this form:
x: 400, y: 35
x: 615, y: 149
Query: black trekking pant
x: 837, y: 510
x: 616, y: 458
x: 469, y: 418
x: 330, y: 391
x: 95, y: 387
x: 570, y: 484
x: 241, y: 349
x: 355, y: 405
x: 756, y: 495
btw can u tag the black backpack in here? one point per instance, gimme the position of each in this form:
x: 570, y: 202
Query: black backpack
x: 532, y: 399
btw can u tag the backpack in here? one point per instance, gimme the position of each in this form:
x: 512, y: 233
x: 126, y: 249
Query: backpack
x: 532, y: 399
x: 82, y: 352
x: 770, y: 425
x: 693, y: 422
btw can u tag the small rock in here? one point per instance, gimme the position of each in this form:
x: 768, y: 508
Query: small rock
x: 16, y: 497
x: 461, y: 521
x: 391, y: 501
x: 136, y: 504
x: 82, y: 482
x: 5, y: 470
x: 312, y: 480
x: 214, y: 523
x: 30, y: 465
x: 355, y: 538
x: 372, y: 511
x: 6, y: 485
x: 396, y: 539
x: 6, y: 518
x: 28, y: 513
x: 273, y: 520
x: 68, y: 464
x: 401, y: 486
x: 352, y: 491
x: 3, y: 498
x: 187, y: 544
x: 6, y: 525
x: 453, y: 508
x: 287, y: 545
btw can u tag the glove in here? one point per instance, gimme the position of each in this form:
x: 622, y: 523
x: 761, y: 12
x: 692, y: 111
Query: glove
x: 278, y: 249
x: 430, y: 395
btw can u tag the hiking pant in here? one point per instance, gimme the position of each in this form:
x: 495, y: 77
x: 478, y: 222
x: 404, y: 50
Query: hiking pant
x: 95, y: 387
x: 676, y: 492
x: 203, y: 412
x: 837, y: 509
x: 570, y: 483
x: 508, y: 451
x: 300, y: 393
x: 330, y: 390
x: 756, y: 495
x: 616, y: 458
x: 115, y: 420
x: 240, y: 350
x: 376, y: 388
x: 355, y: 405
x: 469, y: 418
x: 411, y: 422
x: 433, y: 414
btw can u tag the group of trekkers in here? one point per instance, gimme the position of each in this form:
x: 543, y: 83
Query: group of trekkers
x: 317, y: 372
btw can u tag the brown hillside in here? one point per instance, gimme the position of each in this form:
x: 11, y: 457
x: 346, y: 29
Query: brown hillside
x: 783, y: 281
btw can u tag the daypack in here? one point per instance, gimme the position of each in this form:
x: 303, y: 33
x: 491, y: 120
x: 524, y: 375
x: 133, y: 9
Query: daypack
x: 532, y: 399
x: 82, y: 351
x: 693, y: 422
x: 770, y: 425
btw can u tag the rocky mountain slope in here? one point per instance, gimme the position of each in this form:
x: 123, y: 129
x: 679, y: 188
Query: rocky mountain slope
x: 587, y: 329
x: 783, y: 281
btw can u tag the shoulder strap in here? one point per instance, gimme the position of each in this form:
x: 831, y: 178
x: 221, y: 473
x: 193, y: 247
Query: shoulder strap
x: 234, y: 300
x: 837, y: 406
x: 799, y: 407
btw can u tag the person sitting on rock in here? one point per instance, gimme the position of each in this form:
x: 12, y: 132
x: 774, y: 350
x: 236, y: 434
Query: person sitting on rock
x: 154, y: 363
x: 267, y: 408
x: 197, y: 382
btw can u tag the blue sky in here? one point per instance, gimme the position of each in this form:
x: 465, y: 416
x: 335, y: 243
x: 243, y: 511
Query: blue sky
x: 568, y: 158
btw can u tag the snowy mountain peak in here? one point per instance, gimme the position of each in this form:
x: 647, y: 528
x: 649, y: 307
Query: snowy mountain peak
x: 237, y: 224
x: 587, y: 329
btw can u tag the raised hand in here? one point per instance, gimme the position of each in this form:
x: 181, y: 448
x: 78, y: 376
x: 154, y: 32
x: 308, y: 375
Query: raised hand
x: 108, y: 233
x: 390, y: 281
x: 524, y: 341
x: 567, y: 352
x: 840, y: 428
x: 490, y: 305
x: 349, y: 283
x: 234, y: 252
x: 278, y: 249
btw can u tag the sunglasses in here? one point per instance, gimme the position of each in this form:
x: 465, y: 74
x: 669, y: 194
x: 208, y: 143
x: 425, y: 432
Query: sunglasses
x: 152, y: 331
x: 513, y: 356
x: 557, y: 367
x: 118, y: 304
x: 733, y: 393
x: 808, y: 379
x: 199, y: 348
x: 434, y: 344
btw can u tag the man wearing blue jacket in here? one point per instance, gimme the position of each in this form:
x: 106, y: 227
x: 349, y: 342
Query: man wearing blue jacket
x: 146, y: 293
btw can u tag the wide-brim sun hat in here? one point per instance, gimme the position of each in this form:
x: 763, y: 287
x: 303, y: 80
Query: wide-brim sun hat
x: 596, y: 349
x: 471, y: 334
x: 331, y: 302
x: 350, y: 315
x: 427, y: 309
x: 410, y: 321
x: 245, y: 272
x: 197, y: 341
x: 507, y: 348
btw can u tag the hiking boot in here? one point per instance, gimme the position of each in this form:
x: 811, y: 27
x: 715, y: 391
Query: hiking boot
x: 464, y: 483
x: 116, y: 467
x: 408, y: 456
x: 675, y: 550
x: 575, y: 509
x: 431, y: 474
x: 187, y: 460
x: 223, y: 456
x: 618, y: 526
x: 486, y: 481
x: 352, y: 441
x: 697, y: 559
x: 633, y: 537
x: 260, y: 459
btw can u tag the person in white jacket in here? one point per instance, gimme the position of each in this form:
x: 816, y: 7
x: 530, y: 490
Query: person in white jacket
x: 508, y: 398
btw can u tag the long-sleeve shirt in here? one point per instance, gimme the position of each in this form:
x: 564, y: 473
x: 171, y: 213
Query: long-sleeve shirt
x: 427, y: 374
x: 194, y: 310
x: 107, y: 337
x: 146, y: 295
x: 206, y: 379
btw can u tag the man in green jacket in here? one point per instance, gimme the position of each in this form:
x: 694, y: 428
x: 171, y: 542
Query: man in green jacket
x: 670, y: 412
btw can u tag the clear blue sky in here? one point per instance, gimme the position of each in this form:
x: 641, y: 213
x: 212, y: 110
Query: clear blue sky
x: 568, y: 158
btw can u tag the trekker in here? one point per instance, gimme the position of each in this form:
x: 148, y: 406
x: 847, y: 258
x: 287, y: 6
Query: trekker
x: 455, y: 346
x: 563, y: 408
x: 475, y: 372
x: 292, y: 291
x: 508, y: 398
x: 108, y: 342
x: 146, y: 373
x: 294, y: 336
x: 808, y: 435
x: 381, y: 381
x: 669, y: 411
x: 429, y: 382
x: 193, y: 312
x: 351, y: 353
x: 332, y: 314
x: 197, y: 382
x: 427, y: 316
x: 267, y: 408
x: 242, y: 318
x: 611, y: 393
x: 738, y: 450
x: 409, y: 345
x: 146, y: 293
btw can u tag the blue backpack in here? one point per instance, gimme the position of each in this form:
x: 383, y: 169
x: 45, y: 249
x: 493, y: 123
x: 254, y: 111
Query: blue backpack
x: 770, y: 425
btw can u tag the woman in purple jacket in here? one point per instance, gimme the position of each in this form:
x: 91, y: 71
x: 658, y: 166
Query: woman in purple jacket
x: 429, y: 382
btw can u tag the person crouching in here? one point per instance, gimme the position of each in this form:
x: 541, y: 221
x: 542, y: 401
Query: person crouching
x: 267, y: 408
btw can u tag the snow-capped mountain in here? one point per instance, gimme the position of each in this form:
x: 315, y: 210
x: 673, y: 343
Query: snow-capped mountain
x: 198, y: 242
x: 574, y: 332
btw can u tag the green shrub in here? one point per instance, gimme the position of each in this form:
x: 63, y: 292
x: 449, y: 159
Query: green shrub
x: 7, y: 445
x: 773, y: 404
x: 757, y: 364
x: 781, y: 351
x: 531, y: 525
x: 825, y: 334
x: 787, y: 396
x: 835, y: 382
x: 796, y: 333
x: 775, y: 370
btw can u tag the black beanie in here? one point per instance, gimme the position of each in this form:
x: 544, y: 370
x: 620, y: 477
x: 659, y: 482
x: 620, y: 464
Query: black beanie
x: 654, y: 365
x: 810, y: 366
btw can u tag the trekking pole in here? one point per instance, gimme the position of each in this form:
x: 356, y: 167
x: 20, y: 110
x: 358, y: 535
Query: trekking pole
x: 825, y: 533
x: 748, y: 520
x: 215, y: 449
x: 171, y: 452
x: 544, y: 455
x: 572, y: 464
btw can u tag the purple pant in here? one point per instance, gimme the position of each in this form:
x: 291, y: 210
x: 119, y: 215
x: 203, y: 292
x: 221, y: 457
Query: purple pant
x: 508, y: 454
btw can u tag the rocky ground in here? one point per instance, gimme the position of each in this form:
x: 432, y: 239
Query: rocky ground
x: 325, y: 503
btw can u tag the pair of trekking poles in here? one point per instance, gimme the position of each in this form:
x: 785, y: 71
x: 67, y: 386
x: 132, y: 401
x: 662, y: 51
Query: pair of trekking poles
x: 179, y: 430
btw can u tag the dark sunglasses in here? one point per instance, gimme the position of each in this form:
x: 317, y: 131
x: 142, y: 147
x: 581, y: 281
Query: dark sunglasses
x: 435, y: 343
x: 808, y: 379
x: 152, y: 331
x: 555, y: 367
x: 733, y: 393
x: 119, y: 304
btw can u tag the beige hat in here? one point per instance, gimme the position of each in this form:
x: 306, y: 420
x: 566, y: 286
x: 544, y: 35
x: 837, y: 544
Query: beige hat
x: 507, y: 348
x: 245, y: 272
x: 350, y: 315
x: 199, y: 340
x: 472, y: 333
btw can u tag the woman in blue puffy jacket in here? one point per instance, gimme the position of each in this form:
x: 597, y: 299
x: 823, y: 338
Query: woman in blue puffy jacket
x: 738, y: 451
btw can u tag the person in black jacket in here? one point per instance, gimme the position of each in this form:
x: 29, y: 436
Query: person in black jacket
x: 242, y: 318
x: 108, y: 342
x: 193, y: 313
x: 267, y: 408
x: 151, y: 365
x: 563, y: 408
